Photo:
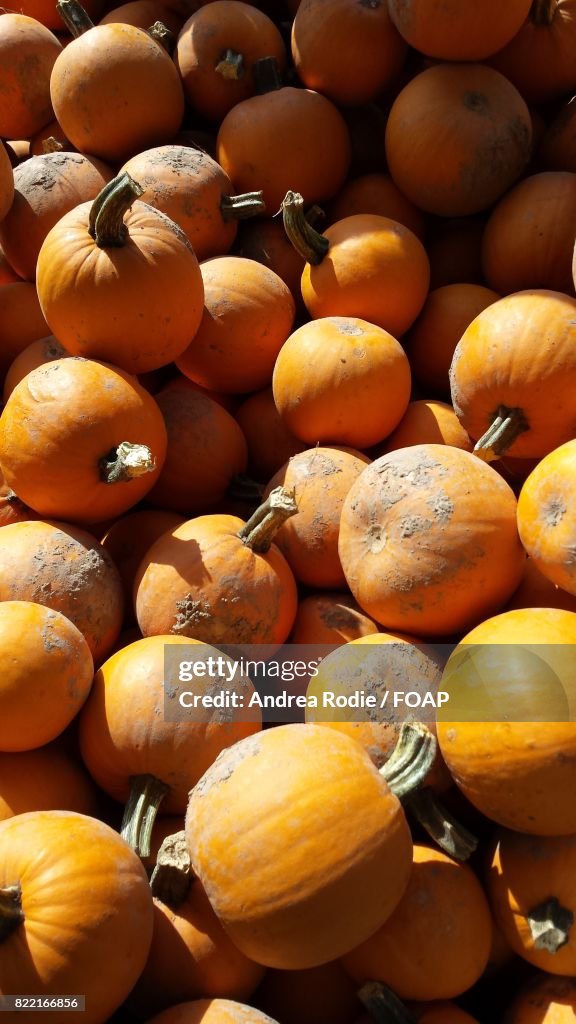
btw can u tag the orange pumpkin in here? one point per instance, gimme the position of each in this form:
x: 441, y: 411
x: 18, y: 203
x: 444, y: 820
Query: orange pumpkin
x: 46, y: 779
x: 441, y: 1012
x: 545, y: 516
x: 129, y: 538
x: 46, y: 12
x: 45, y: 350
x: 318, y: 995
x: 50, y: 139
x: 7, y: 273
x: 211, y: 1011
x: 544, y: 1000
x: 46, y: 187
x: 126, y: 256
x: 341, y: 380
x: 428, y: 540
x: 143, y: 14
x: 330, y: 618
x: 21, y: 320
x: 539, y: 59
x: 270, y: 443
x: 557, y: 149
x: 375, y: 193
x: 66, y: 464
x: 25, y: 105
x: 515, y: 354
x: 427, y: 423
x: 6, y: 182
x: 265, y: 241
x: 537, y: 591
x: 463, y: 33
x: 71, y: 894
x: 443, y: 129
x: 12, y: 510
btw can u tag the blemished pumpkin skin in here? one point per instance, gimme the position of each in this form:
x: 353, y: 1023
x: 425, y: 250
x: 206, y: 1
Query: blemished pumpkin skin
x: 45, y: 350
x: 206, y: 450
x: 128, y: 539
x: 129, y: 293
x: 211, y: 1011
x: 432, y: 339
x: 46, y: 779
x: 21, y: 320
x: 530, y: 882
x: 427, y: 422
x: 529, y: 237
x: 517, y: 360
x: 6, y: 183
x: 327, y: 834
x: 318, y: 995
x: 537, y: 591
x: 143, y: 14
x: 68, y: 465
x: 117, y: 746
x: 545, y: 1000
x: 428, y: 540
x: 332, y: 617
x: 518, y: 767
x: 265, y: 241
x: 248, y: 314
x: 463, y: 32
x: 46, y: 187
x: 67, y: 570
x: 25, y: 105
x: 202, y: 581
x: 546, y: 508
x: 270, y: 443
x: 47, y: 672
x: 115, y: 92
x: 436, y: 943
x: 189, y: 186
x: 216, y: 51
x: 84, y: 895
x: 545, y: 41
x: 321, y: 479
x: 289, y: 138
x: 442, y: 132
x: 375, y: 52
x: 341, y: 380
x: 375, y: 193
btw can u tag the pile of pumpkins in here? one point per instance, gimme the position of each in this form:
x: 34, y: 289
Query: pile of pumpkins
x: 288, y: 356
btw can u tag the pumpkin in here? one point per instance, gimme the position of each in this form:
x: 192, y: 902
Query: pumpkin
x: 557, y: 150
x: 45, y: 779
x: 270, y: 443
x: 428, y: 540
x: 537, y: 591
x: 375, y: 193
x: 436, y: 943
x: 45, y: 350
x: 544, y: 1000
x: 462, y: 33
x: 529, y: 883
x: 441, y: 1012
x: 545, y: 516
x: 206, y: 450
x: 6, y: 182
x: 7, y: 273
x: 332, y: 617
x: 538, y: 60
x: 25, y: 106
x: 248, y: 314
x: 320, y: 479
x: 427, y: 423
x: 341, y: 380
x: 157, y: 751
x: 67, y: 570
x: 432, y: 339
x: 179, y: 382
x: 216, y: 51
x: 265, y: 241
x: 189, y: 186
x: 517, y: 252
x: 72, y: 895
x: 318, y: 995
x: 517, y: 352
x: 454, y: 247
x: 65, y: 463
x: 364, y: 266
x: 114, y: 89
x: 507, y: 732
x: 375, y: 52
x: 143, y: 14
x: 126, y: 259
x: 323, y: 851
x: 383, y: 1005
x: 12, y: 510
x: 285, y: 138
x: 50, y: 139
x: 211, y: 1011
x: 21, y: 321
x: 442, y: 132
x: 46, y: 187
x: 128, y: 539
x: 48, y: 14
x: 220, y: 580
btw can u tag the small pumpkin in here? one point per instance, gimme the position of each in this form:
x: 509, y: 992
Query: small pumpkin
x: 270, y: 443
x: 21, y: 321
x: 557, y: 150
x: 143, y: 14
x: 463, y: 33
x: 7, y: 273
x: 128, y: 539
x: 538, y: 60
x: 45, y: 779
x: 537, y: 591
x: 545, y: 516
x: 318, y: 995
x: 265, y: 241
x: 375, y: 193
x: 24, y: 43
x: 427, y: 422
x: 45, y: 350
x: 546, y: 999
x: 330, y: 617
x: 211, y: 1011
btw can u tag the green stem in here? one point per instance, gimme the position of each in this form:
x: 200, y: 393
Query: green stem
x: 411, y: 759
x: 231, y: 65
x: 311, y: 245
x: 163, y: 35
x: 441, y: 826
x: 550, y: 925
x: 11, y: 913
x: 76, y: 19
x: 506, y: 426
x: 126, y: 462
x: 383, y: 1005
x: 259, y: 532
x: 248, y: 204
x: 146, y: 795
x: 106, y: 223
x: 172, y: 876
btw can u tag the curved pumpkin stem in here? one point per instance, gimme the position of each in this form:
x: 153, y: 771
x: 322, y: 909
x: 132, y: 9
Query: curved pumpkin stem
x: 550, y: 925
x: 259, y: 532
x: 162, y: 35
x: 146, y: 794
x: 506, y: 426
x: 441, y: 825
x: 309, y: 244
x: 383, y: 1005
x: 241, y: 207
x: 231, y: 65
x: 76, y: 19
x: 411, y: 759
x: 543, y: 12
x: 172, y: 875
x: 106, y: 223
x: 126, y: 462
x: 11, y: 913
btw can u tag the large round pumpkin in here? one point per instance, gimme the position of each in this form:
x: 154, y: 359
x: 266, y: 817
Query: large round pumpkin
x: 546, y: 516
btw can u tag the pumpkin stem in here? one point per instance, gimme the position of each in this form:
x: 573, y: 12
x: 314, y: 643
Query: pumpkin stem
x: 506, y: 426
x: 260, y: 530
x: 267, y: 77
x: 248, y: 204
x: 76, y: 19
x: 383, y: 1005
x: 440, y: 825
x: 52, y: 145
x: 231, y: 65
x: 106, y: 224
x: 126, y: 462
x: 11, y: 913
x: 310, y: 245
x: 172, y: 875
x: 543, y: 12
x: 550, y: 925
x: 411, y: 759
x: 146, y: 795
x: 163, y: 35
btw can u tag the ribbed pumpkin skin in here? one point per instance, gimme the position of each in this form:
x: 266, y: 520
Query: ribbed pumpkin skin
x: 24, y: 44
x: 458, y: 31
x: 299, y: 864
x: 84, y: 895
x: 546, y: 516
